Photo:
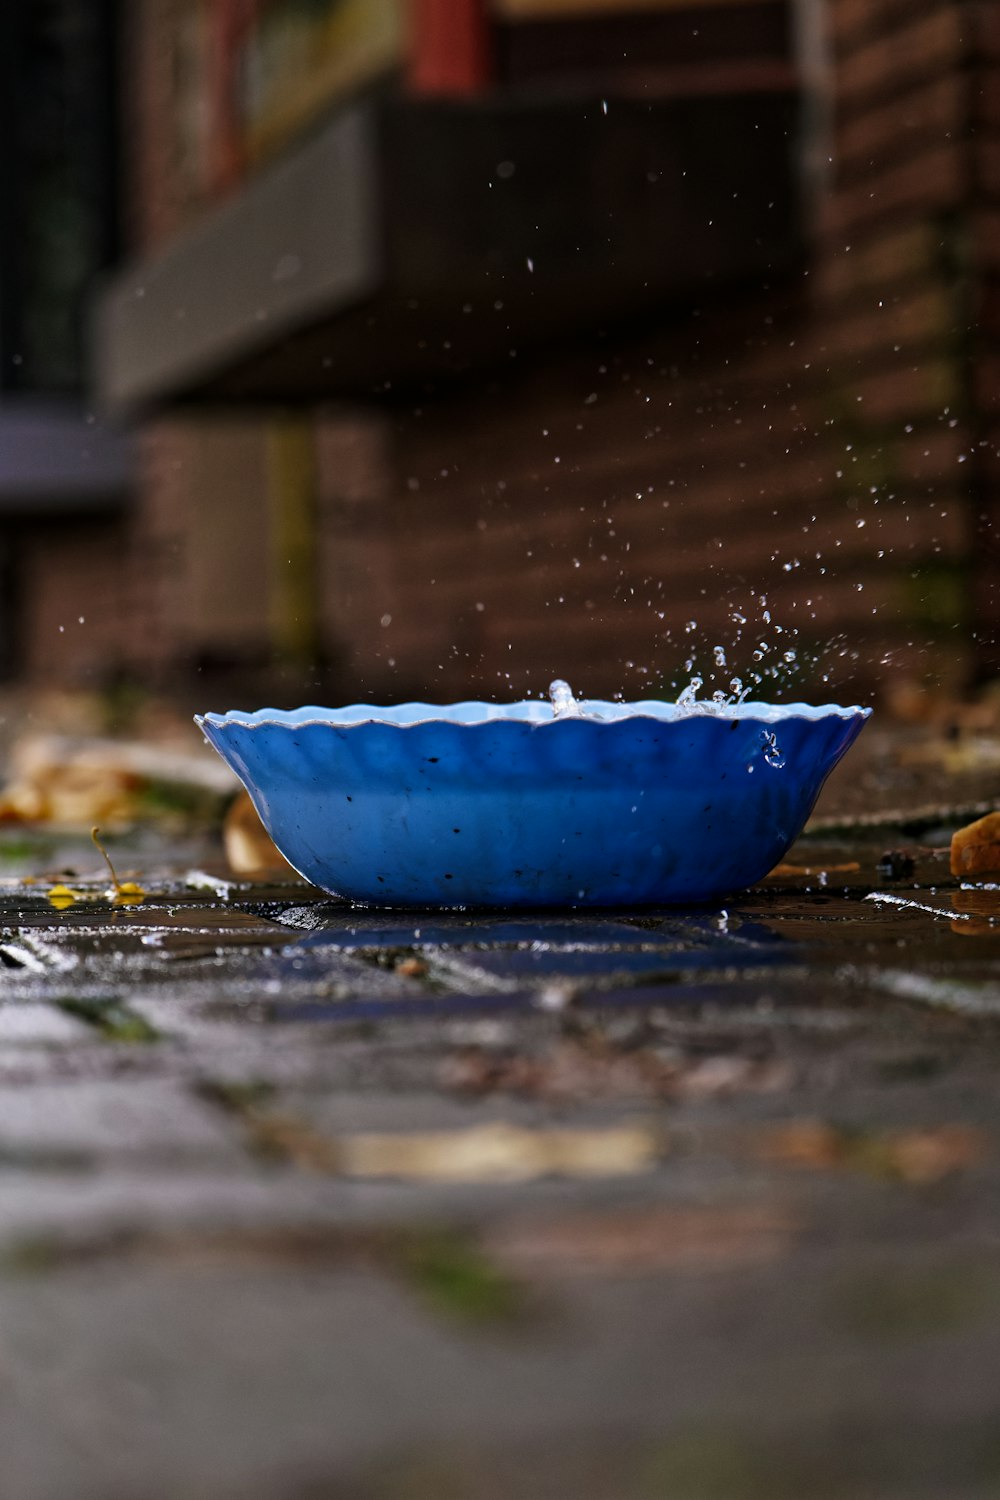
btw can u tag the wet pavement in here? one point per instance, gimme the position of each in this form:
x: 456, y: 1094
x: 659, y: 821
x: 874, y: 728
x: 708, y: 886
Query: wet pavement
x: 302, y: 1201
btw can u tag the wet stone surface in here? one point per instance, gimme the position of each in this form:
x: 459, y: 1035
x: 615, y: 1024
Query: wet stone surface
x: 302, y: 1200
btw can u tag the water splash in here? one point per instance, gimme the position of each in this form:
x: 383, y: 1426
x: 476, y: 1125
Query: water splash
x: 759, y: 650
x: 772, y: 751
x: 720, y: 700
x: 688, y: 697
x: 564, y: 705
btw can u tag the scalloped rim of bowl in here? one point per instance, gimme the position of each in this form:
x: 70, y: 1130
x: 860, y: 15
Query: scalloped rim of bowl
x: 472, y: 714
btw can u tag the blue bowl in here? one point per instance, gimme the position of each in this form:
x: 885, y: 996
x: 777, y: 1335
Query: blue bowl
x: 511, y: 805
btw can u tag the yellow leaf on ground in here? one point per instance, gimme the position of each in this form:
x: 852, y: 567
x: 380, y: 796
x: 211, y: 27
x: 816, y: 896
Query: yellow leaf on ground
x: 61, y: 897
x: 127, y: 893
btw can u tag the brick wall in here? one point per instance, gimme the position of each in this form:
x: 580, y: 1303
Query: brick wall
x: 820, y: 442
x: 573, y: 521
x: 76, y: 596
x: 894, y: 310
x: 165, y: 167
x: 198, y: 537
x: 984, y: 259
x: 831, y: 442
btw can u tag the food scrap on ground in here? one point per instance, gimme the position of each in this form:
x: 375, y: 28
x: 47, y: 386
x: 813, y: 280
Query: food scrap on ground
x: 975, y: 849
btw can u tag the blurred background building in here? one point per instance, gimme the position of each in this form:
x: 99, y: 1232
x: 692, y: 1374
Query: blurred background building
x: 63, y: 477
x: 465, y: 343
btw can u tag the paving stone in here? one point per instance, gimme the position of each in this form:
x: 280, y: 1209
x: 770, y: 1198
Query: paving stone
x: 195, y: 1322
x: 602, y: 967
x: 437, y: 929
x: 217, y: 1381
x: 30, y: 1024
x: 344, y: 1112
x: 152, y: 1117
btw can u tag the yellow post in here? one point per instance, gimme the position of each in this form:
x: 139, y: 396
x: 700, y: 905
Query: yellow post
x: 294, y: 593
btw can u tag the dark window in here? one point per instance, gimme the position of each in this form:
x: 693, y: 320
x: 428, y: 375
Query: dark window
x: 57, y: 179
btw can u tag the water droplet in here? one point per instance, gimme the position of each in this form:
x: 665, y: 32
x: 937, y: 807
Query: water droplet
x: 772, y: 753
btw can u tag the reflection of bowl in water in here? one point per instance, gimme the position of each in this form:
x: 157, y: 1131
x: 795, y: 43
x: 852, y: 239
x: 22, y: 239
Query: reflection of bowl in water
x: 487, y: 804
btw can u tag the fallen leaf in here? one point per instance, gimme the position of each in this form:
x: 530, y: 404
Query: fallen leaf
x: 249, y: 848
x: 74, y: 782
x: 21, y: 803
x: 62, y: 897
x: 501, y: 1153
x: 975, y: 848
x: 928, y: 1155
x: 413, y: 968
x: 127, y: 893
x: 914, y: 1156
x: 813, y: 870
x: 484, y: 1153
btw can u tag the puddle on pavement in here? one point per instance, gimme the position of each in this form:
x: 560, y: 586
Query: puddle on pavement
x: 870, y: 902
